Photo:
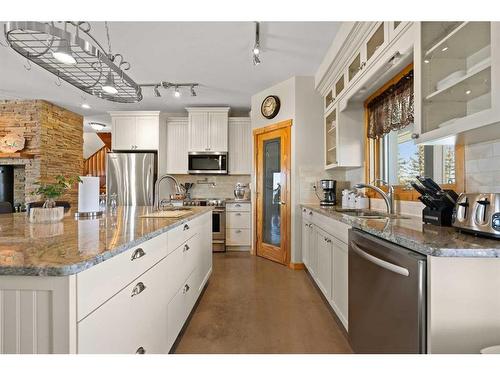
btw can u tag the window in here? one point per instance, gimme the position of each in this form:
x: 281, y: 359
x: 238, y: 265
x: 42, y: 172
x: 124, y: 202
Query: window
x: 392, y: 154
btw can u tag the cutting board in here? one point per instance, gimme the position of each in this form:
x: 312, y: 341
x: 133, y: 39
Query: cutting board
x: 165, y: 214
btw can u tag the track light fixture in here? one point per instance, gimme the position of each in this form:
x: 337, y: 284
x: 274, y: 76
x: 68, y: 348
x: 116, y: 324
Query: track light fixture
x: 167, y: 85
x: 256, y: 46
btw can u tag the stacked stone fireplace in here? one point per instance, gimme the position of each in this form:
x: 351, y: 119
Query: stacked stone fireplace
x: 54, y: 145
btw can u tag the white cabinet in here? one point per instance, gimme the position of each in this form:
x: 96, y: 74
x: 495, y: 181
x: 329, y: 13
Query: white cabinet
x: 135, y: 130
x: 325, y: 255
x: 177, y: 145
x: 324, y: 248
x: 240, y: 145
x: 238, y: 225
x: 208, y: 129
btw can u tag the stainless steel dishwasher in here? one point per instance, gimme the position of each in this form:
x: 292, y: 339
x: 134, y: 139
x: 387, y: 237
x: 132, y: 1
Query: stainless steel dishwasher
x: 387, y: 296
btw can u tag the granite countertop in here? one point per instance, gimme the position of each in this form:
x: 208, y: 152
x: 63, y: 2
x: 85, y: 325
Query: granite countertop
x: 72, y: 246
x: 411, y: 233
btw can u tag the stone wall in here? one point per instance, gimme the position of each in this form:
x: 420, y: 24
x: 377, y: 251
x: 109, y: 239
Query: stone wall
x: 54, y: 140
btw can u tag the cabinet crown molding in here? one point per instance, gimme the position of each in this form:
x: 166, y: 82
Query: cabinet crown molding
x: 134, y: 113
x: 208, y: 109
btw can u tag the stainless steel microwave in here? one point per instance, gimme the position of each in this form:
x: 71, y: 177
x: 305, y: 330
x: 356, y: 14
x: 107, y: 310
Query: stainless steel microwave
x: 207, y: 162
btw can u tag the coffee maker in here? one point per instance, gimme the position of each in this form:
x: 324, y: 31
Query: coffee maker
x: 329, y: 196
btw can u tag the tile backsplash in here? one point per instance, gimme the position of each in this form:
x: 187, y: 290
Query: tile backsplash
x: 482, y: 167
x: 224, y: 185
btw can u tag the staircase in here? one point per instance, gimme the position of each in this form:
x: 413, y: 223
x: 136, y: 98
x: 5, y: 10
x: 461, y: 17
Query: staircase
x: 95, y: 164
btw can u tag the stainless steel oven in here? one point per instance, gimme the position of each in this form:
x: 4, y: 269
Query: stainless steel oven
x: 207, y: 162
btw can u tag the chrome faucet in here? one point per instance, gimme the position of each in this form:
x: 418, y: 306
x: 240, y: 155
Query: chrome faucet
x: 157, y: 188
x: 388, y: 197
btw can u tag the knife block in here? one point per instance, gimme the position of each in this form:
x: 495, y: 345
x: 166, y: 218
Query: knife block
x: 438, y: 216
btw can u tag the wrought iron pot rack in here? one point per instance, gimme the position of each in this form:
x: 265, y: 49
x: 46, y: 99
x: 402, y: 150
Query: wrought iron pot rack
x: 37, y: 40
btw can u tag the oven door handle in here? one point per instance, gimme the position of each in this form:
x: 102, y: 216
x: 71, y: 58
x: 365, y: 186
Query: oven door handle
x: 379, y: 262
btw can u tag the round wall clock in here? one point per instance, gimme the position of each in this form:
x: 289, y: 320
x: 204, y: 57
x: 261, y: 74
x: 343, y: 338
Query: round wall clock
x: 270, y: 106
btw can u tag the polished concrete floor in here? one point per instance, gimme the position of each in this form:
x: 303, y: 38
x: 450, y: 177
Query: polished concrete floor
x: 252, y: 305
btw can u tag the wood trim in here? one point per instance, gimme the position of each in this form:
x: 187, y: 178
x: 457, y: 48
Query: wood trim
x: 296, y: 266
x: 402, y: 192
x: 269, y: 128
x: 286, y: 223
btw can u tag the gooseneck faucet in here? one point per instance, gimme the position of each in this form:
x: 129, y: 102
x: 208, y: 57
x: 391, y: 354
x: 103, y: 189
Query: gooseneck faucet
x: 388, y: 197
x: 157, y: 188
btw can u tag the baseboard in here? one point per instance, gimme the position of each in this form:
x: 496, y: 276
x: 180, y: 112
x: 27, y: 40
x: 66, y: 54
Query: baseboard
x: 296, y: 266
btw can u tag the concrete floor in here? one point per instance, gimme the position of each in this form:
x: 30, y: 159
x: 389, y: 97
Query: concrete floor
x: 252, y: 305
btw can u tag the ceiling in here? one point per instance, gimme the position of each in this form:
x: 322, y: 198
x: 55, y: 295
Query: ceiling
x: 215, y: 54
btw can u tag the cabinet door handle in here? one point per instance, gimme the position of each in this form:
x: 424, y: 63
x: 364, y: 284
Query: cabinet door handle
x: 237, y: 205
x: 138, y: 253
x: 185, y: 289
x: 238, y: 231
x: 140, y: 350
x: 138, y: 289
x: 310, y: 213
x: 414, y: 136
x: 238, y: 214
x: 186, y: 227
x: 186, y: 248
x: 303, y: 210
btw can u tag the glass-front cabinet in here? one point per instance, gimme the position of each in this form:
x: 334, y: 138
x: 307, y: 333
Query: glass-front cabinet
x: 331, y: 138
x: 458, y: 84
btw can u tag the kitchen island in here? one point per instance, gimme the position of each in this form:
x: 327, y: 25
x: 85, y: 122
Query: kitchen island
x: 463, y: 273
x: 122, y: 283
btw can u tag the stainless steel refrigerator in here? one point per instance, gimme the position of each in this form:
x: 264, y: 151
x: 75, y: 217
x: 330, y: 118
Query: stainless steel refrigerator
x: 131, y: 176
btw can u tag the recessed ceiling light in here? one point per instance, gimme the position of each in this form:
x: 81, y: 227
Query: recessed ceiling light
x: 445, y: 48
x: 85, y: 105
x: 468, y: 92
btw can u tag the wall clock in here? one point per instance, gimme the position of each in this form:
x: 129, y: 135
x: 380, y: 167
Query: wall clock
x: 270, y: 106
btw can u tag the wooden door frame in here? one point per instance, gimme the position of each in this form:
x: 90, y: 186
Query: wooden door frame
x: 285, y: 230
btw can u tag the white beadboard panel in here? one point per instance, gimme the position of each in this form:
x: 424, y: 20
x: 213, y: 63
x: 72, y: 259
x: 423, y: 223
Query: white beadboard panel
x: 218, y: 131
x: 240, y: 145
x: 25, y: 320
x: 177, y: 145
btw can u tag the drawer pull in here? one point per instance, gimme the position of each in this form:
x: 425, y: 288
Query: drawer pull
x: 186, y: 248
x: 186, y: 227
x: 237, y: 205
x: 185, y: 289
x: 310, y: 213
x: 238, y: 214
x: 138, y: 289
x: 238, y: 231
x: 140, y: 350
x: 138, y: 253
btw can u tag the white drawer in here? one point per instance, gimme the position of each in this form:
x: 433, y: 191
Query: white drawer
x: 134, y: 318
x: 239, y: 206
x: 238, y: 237
x: 181, y: 233
x: 181, y: 263
x: 238, y: 220
x: 333, y: 227
x: 99, y: 283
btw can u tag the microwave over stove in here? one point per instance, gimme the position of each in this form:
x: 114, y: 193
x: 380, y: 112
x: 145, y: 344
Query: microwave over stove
x: 207, y: 162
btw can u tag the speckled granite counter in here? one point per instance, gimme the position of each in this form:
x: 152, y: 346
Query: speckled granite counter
x: 71, y: 246
x: 426, y: 239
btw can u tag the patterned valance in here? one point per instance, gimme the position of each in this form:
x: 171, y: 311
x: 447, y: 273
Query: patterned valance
x: 393, y: 109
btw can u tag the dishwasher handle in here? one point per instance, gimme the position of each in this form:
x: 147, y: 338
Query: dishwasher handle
x: 379, y: 262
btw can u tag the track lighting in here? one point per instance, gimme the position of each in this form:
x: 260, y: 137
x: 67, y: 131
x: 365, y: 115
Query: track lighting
x: 193, y: 93
x: 156, y: 91
x: 177, y: 93
x: 63, y: 53
x: 256, y: 46
x: 109, y: 85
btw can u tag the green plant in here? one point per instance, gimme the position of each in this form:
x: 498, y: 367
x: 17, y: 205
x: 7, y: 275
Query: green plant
x: 55, y: 190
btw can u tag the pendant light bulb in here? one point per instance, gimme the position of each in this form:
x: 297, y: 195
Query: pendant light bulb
x: 177, y: 94
x: 109, y: 85
x: 256, y: 49
x: 63, y: 53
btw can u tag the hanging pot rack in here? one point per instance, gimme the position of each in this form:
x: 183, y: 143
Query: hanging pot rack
x: 36, y: 40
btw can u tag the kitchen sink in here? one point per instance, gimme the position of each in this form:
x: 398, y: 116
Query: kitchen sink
x: 371, y: 215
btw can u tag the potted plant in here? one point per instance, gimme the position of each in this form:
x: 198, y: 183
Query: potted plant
x: 49, y: 213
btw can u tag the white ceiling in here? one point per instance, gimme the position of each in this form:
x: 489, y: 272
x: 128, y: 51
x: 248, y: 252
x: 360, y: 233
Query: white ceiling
x: 215, y: 54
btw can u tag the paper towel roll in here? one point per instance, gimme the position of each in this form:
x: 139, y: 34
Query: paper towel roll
x: 88, y: 194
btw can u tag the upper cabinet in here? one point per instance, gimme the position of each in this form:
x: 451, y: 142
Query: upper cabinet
x: 135, y: 130
x: 458, y: 65
x: 240, y: 145
x: 208, y: 129
x: 177, y: 145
